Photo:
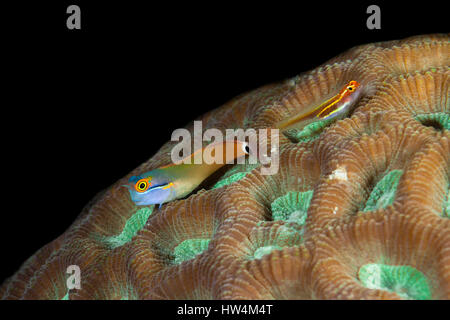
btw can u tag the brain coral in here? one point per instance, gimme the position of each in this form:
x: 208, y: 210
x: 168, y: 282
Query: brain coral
x: 358, y: 210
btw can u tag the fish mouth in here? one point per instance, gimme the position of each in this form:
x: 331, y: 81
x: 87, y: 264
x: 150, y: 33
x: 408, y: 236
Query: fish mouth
x: 141, y: 203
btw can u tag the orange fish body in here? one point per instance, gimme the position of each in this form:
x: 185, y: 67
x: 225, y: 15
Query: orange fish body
x: 178, y: 179
x: 332, y: 108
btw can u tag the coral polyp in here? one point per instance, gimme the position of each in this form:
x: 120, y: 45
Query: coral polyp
x: 406, y: 281
x: 359, y: 208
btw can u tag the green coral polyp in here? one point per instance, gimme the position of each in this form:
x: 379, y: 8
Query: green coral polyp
x: 406, y: 281
x: 233, y: 178
x: 285, y: 236
x: 189, y: 248
x: 309, y: 132
x: 438, y: 120
x: 235, y: 174
x: 383, y: 193
x: 292, y: 207
x: 262, y: 251
x: 135, y: 223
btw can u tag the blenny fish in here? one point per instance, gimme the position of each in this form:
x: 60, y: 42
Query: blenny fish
x: 332, y: 108
x: 178, y: 179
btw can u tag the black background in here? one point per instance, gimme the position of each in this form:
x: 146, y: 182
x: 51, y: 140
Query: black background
x: 82, y: 108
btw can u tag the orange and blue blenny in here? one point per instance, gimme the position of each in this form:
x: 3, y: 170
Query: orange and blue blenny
x: 177, y: 180
x: 332, y: 108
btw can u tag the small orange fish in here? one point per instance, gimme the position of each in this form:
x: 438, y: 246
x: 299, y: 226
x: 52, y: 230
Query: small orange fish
x: 177, y: 180
x: 329, y: 109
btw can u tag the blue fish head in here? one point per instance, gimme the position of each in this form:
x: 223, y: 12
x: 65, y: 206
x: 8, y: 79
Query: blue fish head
x: 158, y: 191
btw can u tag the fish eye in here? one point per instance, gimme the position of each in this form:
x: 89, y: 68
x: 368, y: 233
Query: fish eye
x: 142, y: 185
x: 246, y: 148
x: 350, y: 88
